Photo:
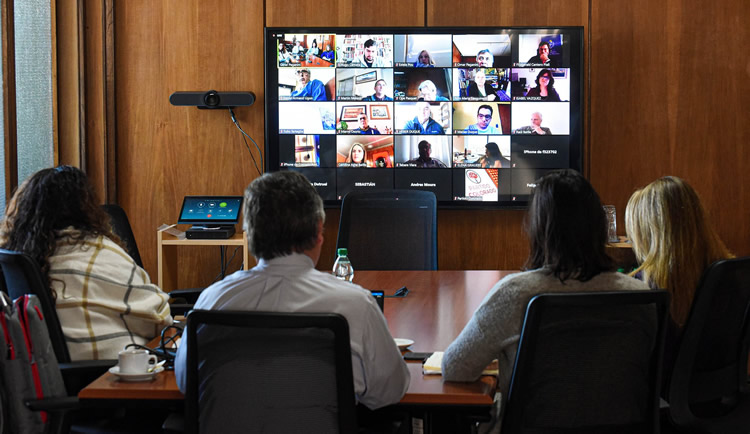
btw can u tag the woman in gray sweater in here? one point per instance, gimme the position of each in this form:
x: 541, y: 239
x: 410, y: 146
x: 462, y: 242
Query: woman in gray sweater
x: 567, y: 230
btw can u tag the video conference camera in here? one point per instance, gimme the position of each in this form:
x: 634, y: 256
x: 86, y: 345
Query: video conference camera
x: 212, y: 99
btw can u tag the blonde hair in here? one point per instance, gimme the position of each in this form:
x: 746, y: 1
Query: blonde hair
x: 672, y: 240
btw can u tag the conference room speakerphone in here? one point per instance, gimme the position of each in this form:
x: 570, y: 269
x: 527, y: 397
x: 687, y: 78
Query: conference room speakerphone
x: 210, y: 232
x: 212, y: 217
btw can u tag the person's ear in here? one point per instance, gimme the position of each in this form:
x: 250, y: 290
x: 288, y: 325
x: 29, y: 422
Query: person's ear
x: 321, y: 238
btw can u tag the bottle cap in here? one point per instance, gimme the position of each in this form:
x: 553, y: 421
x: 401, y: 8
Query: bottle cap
x: 343, y: 252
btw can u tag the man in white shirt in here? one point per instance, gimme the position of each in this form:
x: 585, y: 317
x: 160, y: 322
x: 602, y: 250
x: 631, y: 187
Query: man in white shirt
x: 283, y: 217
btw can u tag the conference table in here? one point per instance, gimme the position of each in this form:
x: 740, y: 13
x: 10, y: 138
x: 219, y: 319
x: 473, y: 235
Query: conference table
x: 432, y: 314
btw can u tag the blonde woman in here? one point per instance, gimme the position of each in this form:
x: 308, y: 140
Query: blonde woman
x: 674, y: 243
x: 672, y: 240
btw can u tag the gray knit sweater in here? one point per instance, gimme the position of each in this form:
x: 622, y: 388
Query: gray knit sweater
x: 493, y: 332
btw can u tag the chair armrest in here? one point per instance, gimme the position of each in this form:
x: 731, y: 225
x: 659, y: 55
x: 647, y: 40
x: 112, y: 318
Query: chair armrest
x: 189, y: 295
x: 174, y: 423
x: 180, y: 308
x: 86, y: 366
x: 53, y: 404
x: 81, y: 373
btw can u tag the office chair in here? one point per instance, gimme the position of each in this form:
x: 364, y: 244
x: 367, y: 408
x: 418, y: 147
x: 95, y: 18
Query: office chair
x: 588, y: 363
x: 121, y: 227
x: 268, y: 372
x: 182, y: 300
x: 21, y: 275
x: 708, y: 390
x: 389, y: 230
x: 37, y: 400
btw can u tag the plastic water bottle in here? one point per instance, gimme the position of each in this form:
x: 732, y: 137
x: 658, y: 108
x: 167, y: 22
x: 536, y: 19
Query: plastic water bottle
x: 342, y: 268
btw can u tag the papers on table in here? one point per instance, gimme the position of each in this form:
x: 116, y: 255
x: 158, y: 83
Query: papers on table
x: 433, y: 365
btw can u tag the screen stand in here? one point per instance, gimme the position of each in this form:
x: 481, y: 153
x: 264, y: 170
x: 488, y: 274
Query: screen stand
x: 207, y: 232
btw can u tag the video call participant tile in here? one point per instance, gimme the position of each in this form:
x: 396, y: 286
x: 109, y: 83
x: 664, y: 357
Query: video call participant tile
x: 422, y: 84
x: 481, y: 84
x: 540, y: 118
x: 542, y: 49
x: 482, y: 51
x: 437, y: 181
x: 523, y: 182
x: 429, y: 152
x: 537, y: 153
x: 307, y: 117
x: 481, y: 185
x: 350, y: 179
x: 372, y: 84
x: 306, y: 84
x: 301, y: 150
x: 323, y: 179
x: 422, y: 117
x: 423, y: 51
x: 477, y: 118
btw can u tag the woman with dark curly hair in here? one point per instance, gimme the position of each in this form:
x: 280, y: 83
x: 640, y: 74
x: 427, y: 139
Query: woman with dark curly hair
x: 104, y: 300
x: 545, y: 87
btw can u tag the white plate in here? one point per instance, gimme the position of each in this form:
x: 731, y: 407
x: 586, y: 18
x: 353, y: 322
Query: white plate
x: 148, y: 376
x: 403, y: 343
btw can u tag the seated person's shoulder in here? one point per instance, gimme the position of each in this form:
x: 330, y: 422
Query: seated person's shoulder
x: 623, y: 281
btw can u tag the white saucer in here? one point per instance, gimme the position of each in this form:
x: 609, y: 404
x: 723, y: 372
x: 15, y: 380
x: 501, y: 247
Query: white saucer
x: 148, y: 376
x: 403, y: 343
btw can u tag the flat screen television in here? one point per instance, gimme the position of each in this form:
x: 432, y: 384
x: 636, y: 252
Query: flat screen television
x: 474, y: 115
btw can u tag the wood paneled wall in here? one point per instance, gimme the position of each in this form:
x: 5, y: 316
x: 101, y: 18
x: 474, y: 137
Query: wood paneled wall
x: 667, y: 95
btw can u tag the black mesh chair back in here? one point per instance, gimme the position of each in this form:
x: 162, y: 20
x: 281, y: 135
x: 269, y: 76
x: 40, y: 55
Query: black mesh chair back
x: 389, y: 230
x: 708, y: 390
x: 588, y: 363
x: 21, y: 275
x: 121, y: 227
x: 268, y: 372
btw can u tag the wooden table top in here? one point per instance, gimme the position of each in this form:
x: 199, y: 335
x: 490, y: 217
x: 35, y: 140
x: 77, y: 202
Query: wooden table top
x: 434, y: 312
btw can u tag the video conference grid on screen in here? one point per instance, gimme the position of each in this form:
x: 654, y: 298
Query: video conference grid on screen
x: 472, y: 117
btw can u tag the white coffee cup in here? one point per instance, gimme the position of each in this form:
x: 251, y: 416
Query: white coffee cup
x: 135, y: 361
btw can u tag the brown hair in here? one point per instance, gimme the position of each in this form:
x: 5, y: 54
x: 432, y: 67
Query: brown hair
x: 47, y: 202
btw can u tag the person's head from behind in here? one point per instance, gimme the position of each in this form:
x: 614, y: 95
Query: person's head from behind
x: 484, y: 116
x: 567, y: 227
x: 357, y: 154
x: 424, y: 58
x: 380, y: 86
x: 427, y: 90
x: 424, y: 111
x: 370, y: 50
x: 425, y: 149
x: 485, y: 59
x: 672, y: 239
x: 545, y: 78
x: 283, y: 214
x: 492, y: 151
x: 46, y: 203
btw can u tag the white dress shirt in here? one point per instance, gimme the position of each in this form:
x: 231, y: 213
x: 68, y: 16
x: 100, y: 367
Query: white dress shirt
x: 292, y: 284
